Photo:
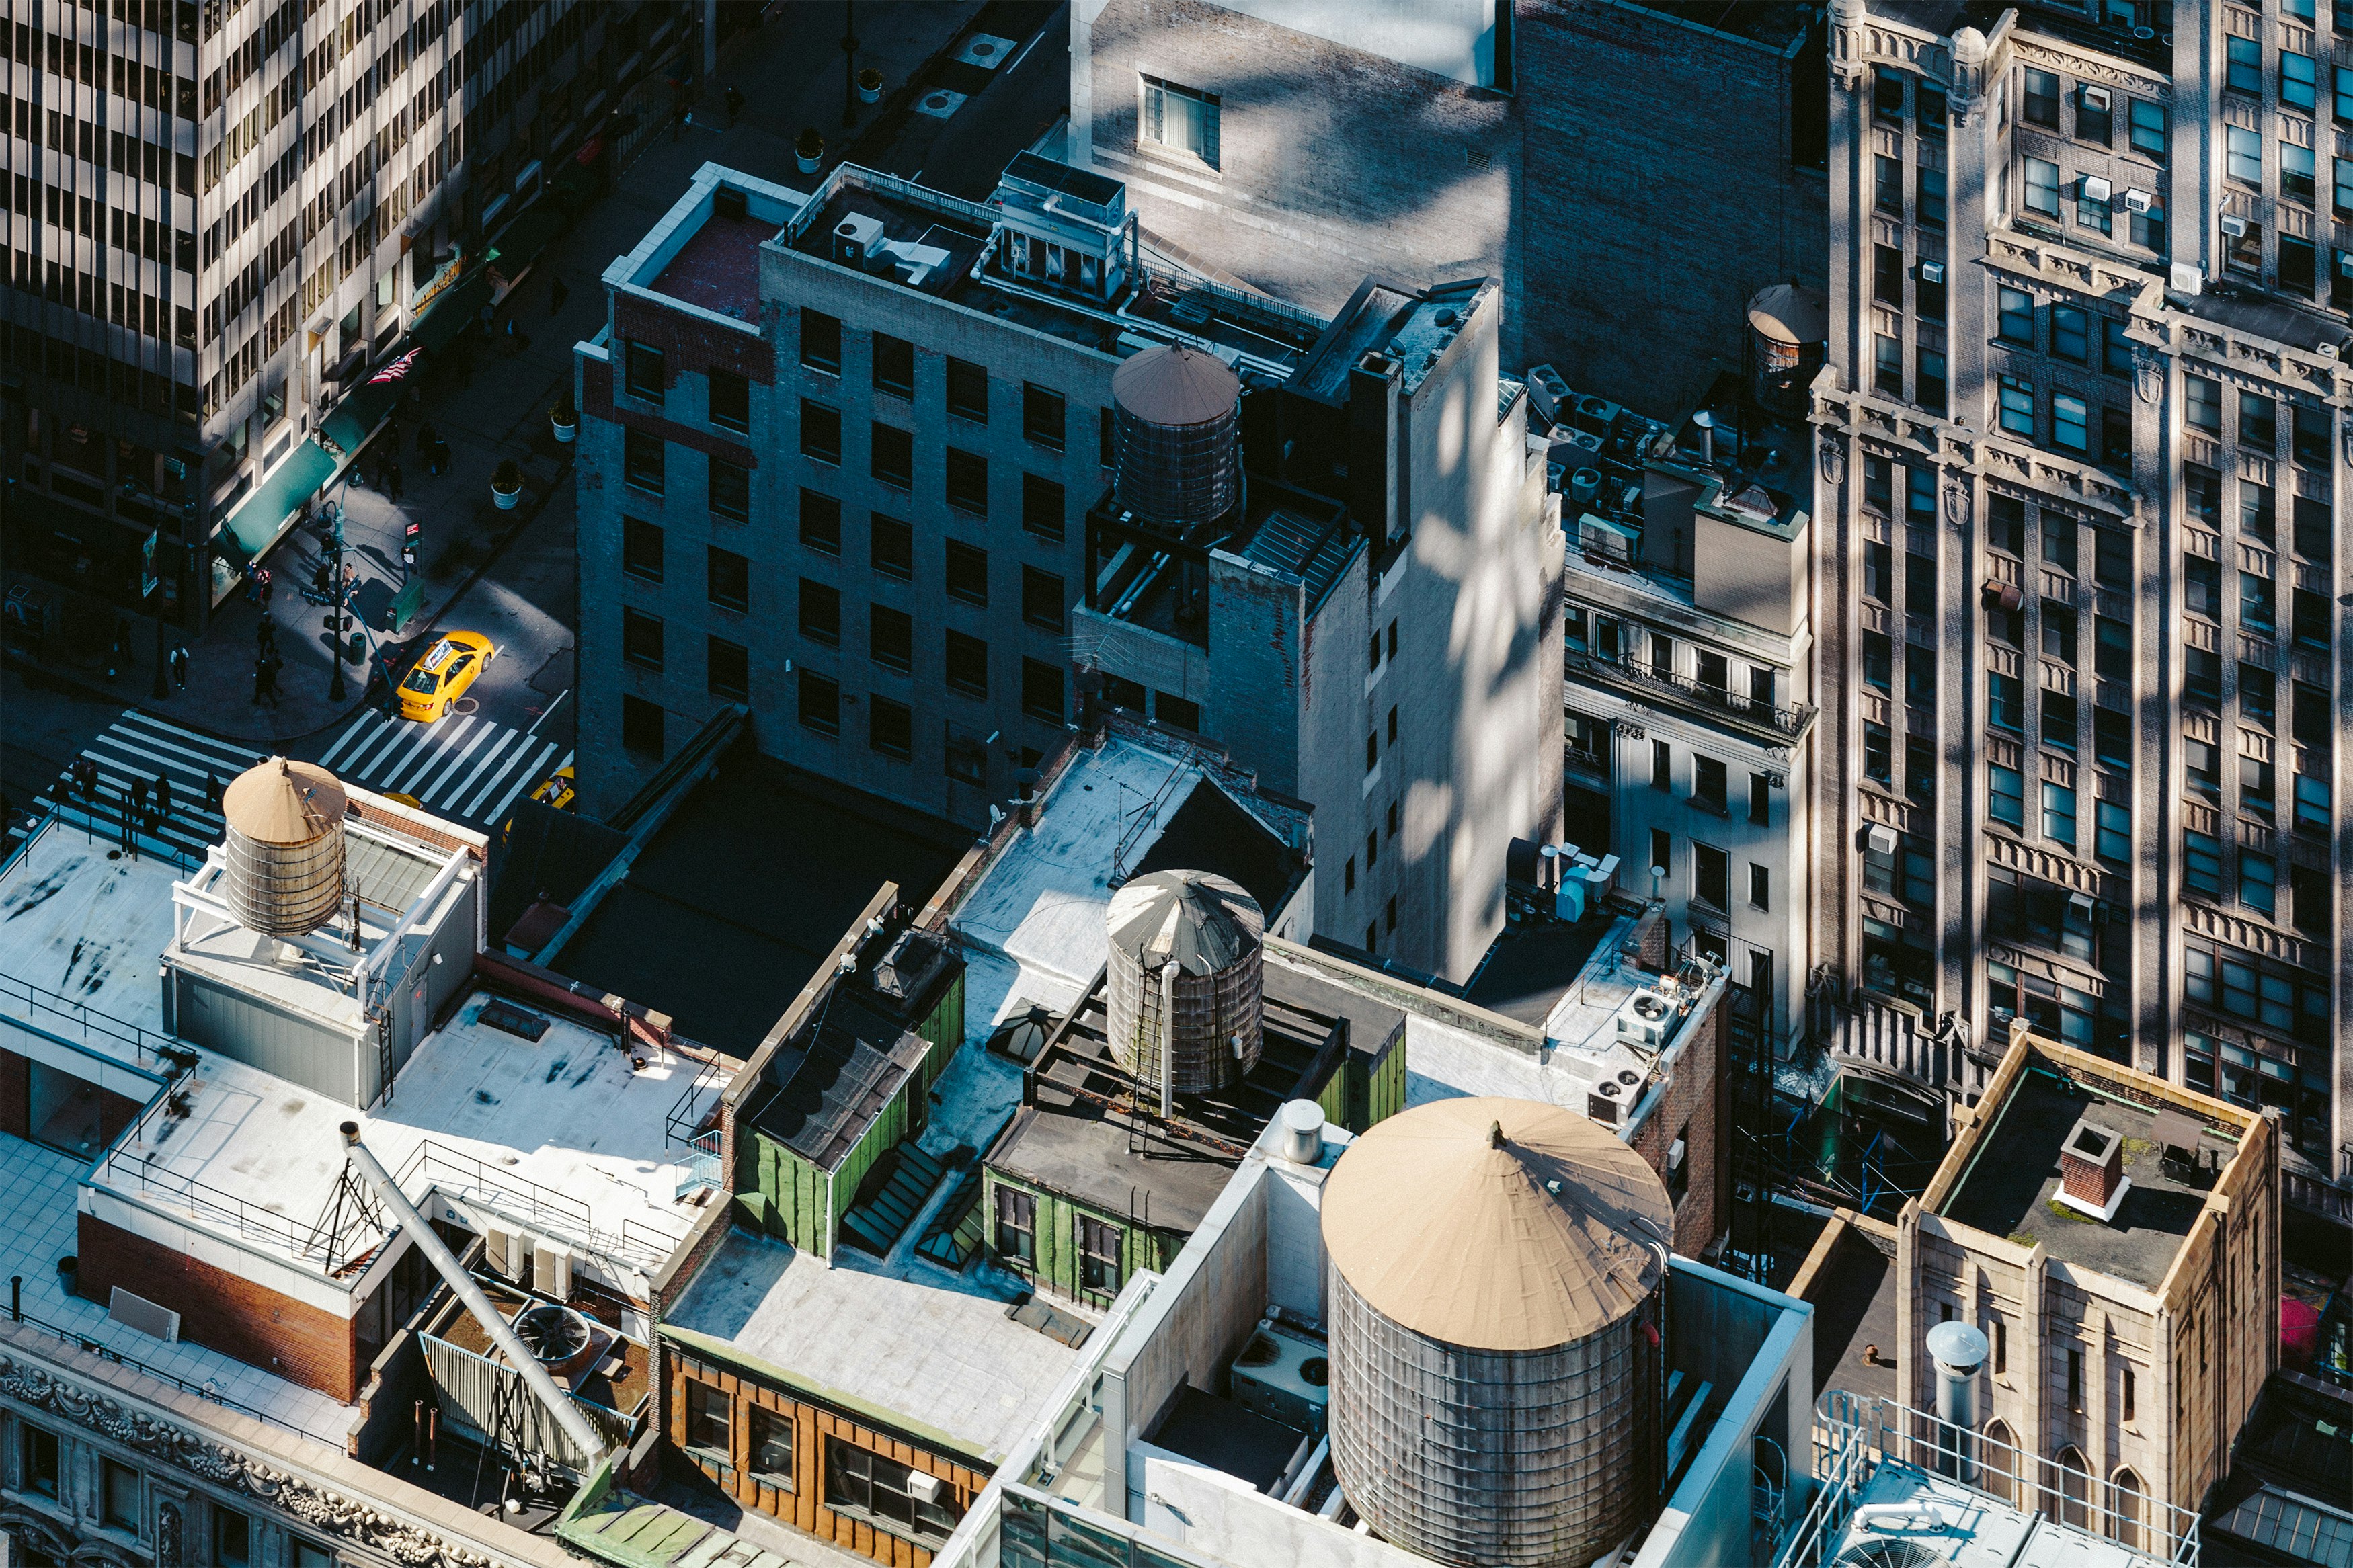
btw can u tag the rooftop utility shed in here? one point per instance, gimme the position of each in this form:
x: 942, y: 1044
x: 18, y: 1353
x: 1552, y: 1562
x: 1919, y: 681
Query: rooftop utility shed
x: 845, y: 1077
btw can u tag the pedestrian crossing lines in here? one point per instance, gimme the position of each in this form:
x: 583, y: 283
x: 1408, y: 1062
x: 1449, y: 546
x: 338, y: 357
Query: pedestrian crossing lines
x: 139, y: 748
x: 465, y: 767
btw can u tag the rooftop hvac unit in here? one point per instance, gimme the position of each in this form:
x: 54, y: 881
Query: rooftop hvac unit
x: 1879, y: 840
x: 1602, y: 1105
x: 1646, y: 1019
x: 2233, y: 225
x: 2187, y: 279
x: 2137, y: 200
x: 1595, y: 413
x: 856, y: 237
x: 2096, y: 189
x: 1284, y: 1378
x: 1546, y: 391
x: 1604, y: 537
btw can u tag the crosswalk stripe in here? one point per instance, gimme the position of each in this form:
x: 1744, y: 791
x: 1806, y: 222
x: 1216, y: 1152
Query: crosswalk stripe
x: 500, y: 811
x: 351, y: 732
x: 216, y: 756
x: 194, y: 770
x: 148, y: 720
x: 434, y: 783
x: 544, y: 750
x: 439, y: 738
x: 395, y: 757
x: 460, y: 776
x: 376, y: 748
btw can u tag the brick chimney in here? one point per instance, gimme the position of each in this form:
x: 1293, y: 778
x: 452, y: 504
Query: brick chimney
x: 2092, y: 1164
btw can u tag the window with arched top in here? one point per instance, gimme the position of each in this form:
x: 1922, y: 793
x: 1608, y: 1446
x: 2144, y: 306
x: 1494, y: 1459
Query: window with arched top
x: 2074, y: 1488
x: 2129, y: 1501
x: 1998, y: 1461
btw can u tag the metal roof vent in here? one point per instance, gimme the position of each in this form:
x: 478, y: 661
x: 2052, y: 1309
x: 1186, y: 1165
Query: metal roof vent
x: 285, y: 847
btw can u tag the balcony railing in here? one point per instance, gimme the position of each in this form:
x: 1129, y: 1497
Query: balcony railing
x: 1643, y: 679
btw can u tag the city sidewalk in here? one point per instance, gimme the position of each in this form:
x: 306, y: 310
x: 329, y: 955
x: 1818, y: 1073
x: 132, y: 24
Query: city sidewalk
x: 790, y: 72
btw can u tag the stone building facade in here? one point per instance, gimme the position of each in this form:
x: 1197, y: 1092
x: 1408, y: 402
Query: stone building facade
x: 2080, y: 437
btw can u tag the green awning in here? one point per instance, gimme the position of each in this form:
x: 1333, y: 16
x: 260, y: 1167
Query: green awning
x: 356, y: 417
x: 257, y: 523
x: 452, y: 314
x: 518, y: 244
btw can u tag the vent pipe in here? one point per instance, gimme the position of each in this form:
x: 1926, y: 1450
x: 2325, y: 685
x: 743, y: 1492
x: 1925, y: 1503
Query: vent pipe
x: 576, y: 1425
x: 1960, y: 1352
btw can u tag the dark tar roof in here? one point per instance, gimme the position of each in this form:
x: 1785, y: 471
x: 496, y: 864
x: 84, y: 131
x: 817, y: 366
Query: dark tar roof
x: 824, y: 1091
x: 1211, y: 833
x: 1529, y: 967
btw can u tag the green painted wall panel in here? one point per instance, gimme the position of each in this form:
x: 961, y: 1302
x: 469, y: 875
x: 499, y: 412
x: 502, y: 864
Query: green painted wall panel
x: 1141, y: 1245
x: 1386, y: 1095
x: 881, y: 1135
x: 944, y: 1031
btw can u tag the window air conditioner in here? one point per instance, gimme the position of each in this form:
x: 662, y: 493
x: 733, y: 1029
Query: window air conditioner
x: 1932, y: 272
x: 2096, y: 189
x: 1879, y: 840
x: 2137, y: 201
x: 2233, y: 225
x: 2094, y: 98
x: 2187, y: 279
x: 2080, y: 905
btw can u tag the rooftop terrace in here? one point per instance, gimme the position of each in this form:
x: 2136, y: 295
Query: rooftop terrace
x: 2010, y: 1188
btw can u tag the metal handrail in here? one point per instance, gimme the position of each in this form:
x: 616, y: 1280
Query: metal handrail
x: 204, y: 1201
x: 526, y: 1203
x: 1790, y: 721
x: 148, y: 1046
x: 204, y: 1391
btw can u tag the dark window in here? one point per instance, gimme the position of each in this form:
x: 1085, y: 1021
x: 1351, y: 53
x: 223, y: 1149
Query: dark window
x: 1711, y: 876
x: 120, y: 1498
x: 1887, y: 365
x: 2111, y: 648
x: 641, y: 638
x: 860, y: 1482
x: 2201, y: 404
x: 821, y: 341
x: 1887, y: 183
x: 890, y: 727
x: 1708, y: 782
x: 2258, y: 695
x: 2309, y: 618
x: 2059, y: 540
x: 731, y: 489
x: 2041, y: 104
x: 820, y: 523
x: 2111, y: 557
x: 895, y: 364
x: 642, y: 459
x: 1761, y: 886
x: 1041, y: 415
x: 772, y: 1448
x: 2203, y: 581
x: 1920, y: 584
x: 731, y: 400
x: 727, y: 579
x: 2202, y: 493
x: 1017, y: 1225
x: 1663, y: 764
x: 232, y: 1539
x: 641, y: 548
x: 1930, y: 384
x: 1928, y: 209
x: 1663, y: 848
x: 2005, y: 701
x: 820, y: 612
x: 2060, y: 632
x: 1181, y: 711
x: 1042, y: 508
x: 820, y: 432
x: 2017, y: 317
x: 2071, y: 333
x: 1887, y: 275
x: 40, y: 1452
x: 892, y: 456
x: 641, y: 724
x: 968, y: 665
x: 2112, y: 737
x: 2311, y: 436
x: 1100, y: 1261
x: 891, y: 638
x: 2314, y: 530
x: 2201, y: 675
x: 1887, y: 92
x: 821, y: 703
x: 2094, y: 119
x: 1041, y: 690
x: 1760, y: 799
x: 968, y: 481
x: 2258, y: 602
x: 891, y: 547
x: 2299, y: 263
x: 1041, y: 599
x: 710, y: 1420
x: 643, y: 375
x: 1878, y: 661
x: 967, y: 572
x: 2006, y: 524
x: 969, y: 389
x: 727, y: 667
x: 1878, y: 567
x: 1919, y: 768
x: 2258, y: 422
x: 2149, y: 134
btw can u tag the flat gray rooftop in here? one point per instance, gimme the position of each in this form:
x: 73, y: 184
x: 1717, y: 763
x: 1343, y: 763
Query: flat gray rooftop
x: 918, y: 1347
x: 2010, y: 1188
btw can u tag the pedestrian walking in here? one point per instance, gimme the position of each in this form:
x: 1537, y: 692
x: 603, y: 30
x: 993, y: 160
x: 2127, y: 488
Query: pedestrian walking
x: 557, y: 294
x: 734, y: 106
x: 85, y: 778
x: 265, y: 638
x: 392, y: 477
x: 179, y: 663
x: 426, y: 436
x: 264, y: 570
x: 212, y: 790
x: 163, y: 795
x: 265, y: 678
x: 516, y: 340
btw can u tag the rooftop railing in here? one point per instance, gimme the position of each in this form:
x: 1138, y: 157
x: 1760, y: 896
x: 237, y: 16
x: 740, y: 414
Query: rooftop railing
x: 206, y: 1390
x: 1647, y: 680
x: 53, y: 1013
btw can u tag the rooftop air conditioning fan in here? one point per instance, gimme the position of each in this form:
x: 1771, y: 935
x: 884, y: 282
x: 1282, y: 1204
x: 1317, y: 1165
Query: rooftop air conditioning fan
x: 552, y: 1334
x: 1601, y: 1104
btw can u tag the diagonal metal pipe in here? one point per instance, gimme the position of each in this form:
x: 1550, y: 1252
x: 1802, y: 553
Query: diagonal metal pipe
x: 576, y: 1425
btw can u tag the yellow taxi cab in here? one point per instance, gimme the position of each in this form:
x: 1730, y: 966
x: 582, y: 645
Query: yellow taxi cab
x: 438, y: 678
x: 556, y: 789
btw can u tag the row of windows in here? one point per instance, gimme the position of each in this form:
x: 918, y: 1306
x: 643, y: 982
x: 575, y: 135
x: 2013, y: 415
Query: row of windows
x: 41, y: 1473
x: 2243, y: 1076
x: 727, y: 674
x: 2090, y: 200
x: 2240, y: 985
x: 965, y: 385
x: 2147, y: 132
x: 857, y: 1480
x: 1607, y: 638
x: 1712, y: 873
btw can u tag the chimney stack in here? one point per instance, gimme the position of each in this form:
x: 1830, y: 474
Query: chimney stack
x: 2091, y: 1168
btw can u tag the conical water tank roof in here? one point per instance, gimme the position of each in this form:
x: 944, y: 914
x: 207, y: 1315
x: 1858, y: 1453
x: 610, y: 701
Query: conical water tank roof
x: 1789, y: 313
x: 1496, y: 1223
x: 1182, y: 982
x: 285, y: 847
x: 1200, y: 921
x: 1177, y: 413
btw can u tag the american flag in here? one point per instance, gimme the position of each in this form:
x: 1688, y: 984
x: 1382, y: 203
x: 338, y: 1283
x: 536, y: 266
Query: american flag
x: 396, y: 369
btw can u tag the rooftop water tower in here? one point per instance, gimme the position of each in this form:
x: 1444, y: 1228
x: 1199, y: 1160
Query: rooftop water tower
x: 1183, y: 981
x: 285, y: 847
x: 1178, y: 415
x: 1496, y: 1274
